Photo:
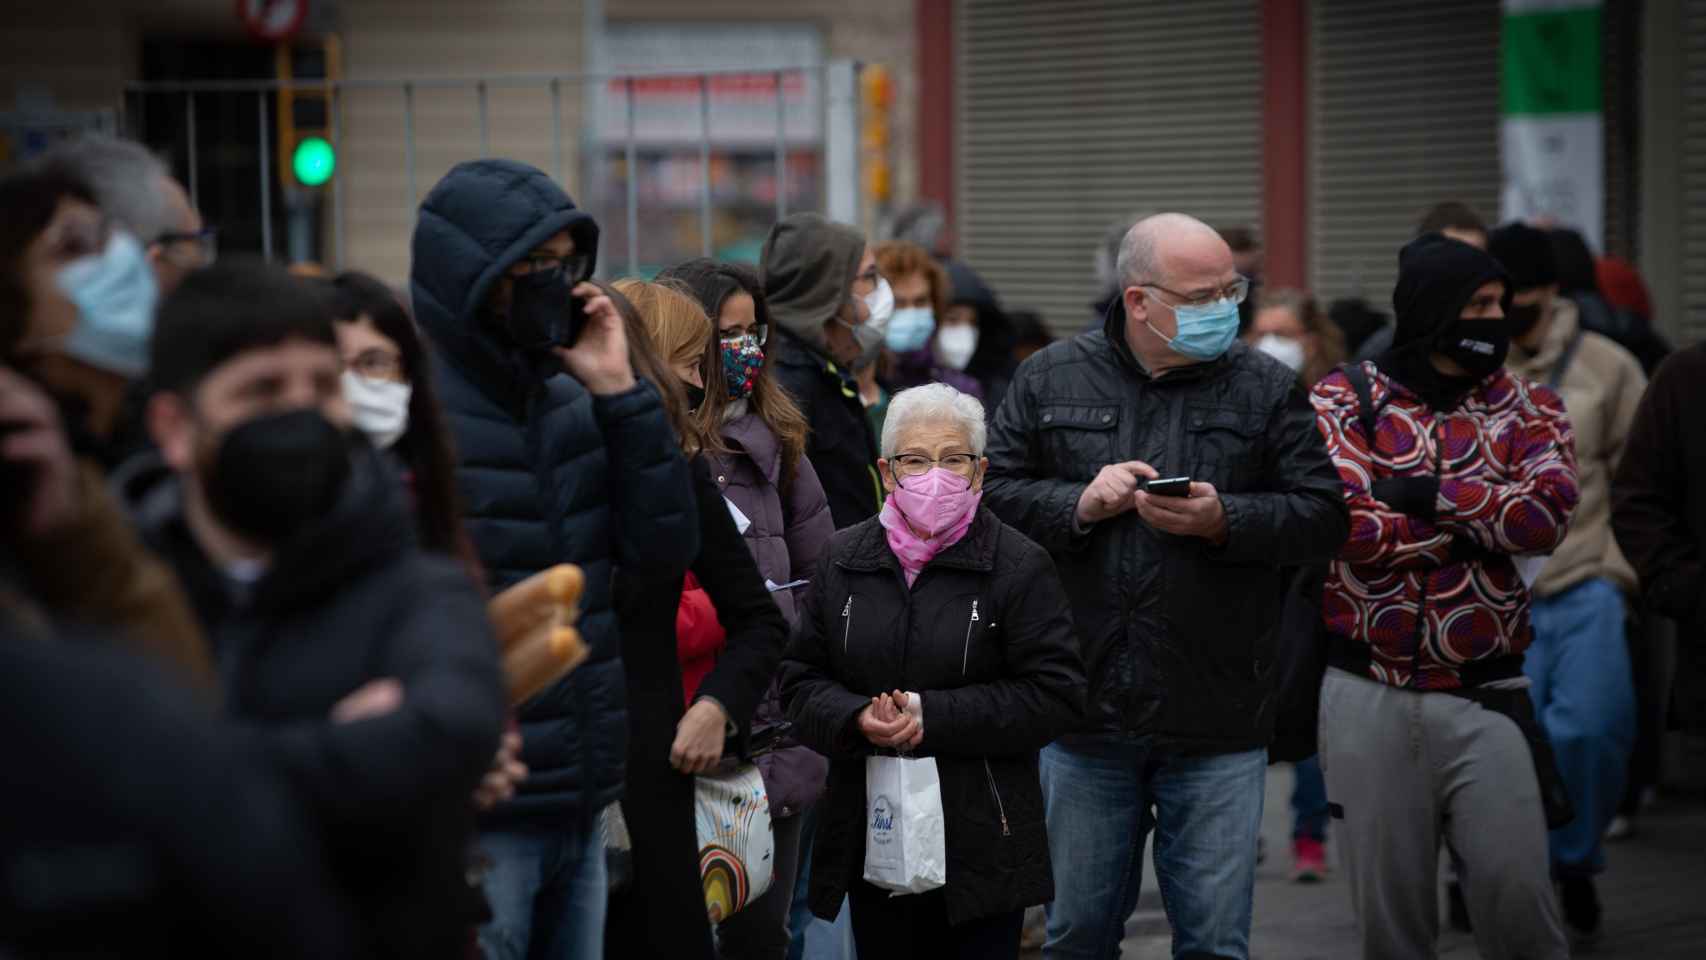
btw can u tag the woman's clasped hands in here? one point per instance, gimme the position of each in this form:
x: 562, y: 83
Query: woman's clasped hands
x: 894, y: 721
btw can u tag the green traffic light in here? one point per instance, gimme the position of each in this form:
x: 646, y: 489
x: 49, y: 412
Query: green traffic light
x: 313, y: 161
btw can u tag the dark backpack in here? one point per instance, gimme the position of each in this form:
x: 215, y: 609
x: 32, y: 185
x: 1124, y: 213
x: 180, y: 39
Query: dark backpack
x: 1302, y: 640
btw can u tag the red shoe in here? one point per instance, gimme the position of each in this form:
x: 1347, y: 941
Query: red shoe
x: 1308, y: 861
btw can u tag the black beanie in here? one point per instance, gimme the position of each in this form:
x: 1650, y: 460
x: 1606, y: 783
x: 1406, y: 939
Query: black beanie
x: 1526, y: 254
x: 1437, y: 277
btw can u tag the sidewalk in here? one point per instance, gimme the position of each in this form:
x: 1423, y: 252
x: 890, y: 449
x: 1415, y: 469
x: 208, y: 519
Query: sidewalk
x: 1654, y: 890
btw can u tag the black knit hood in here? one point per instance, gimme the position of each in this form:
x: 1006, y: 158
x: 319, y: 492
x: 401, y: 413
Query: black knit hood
x: 1437, y: 277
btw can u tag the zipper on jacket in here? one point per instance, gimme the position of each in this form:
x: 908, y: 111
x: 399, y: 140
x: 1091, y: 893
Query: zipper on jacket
x: 846, y: 621
x: 965, y: 656
x: 1000, y: 807
x: 1427, y: 575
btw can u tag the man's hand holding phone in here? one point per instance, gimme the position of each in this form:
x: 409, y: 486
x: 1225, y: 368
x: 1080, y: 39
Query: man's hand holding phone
x: 599, y: 358
x: 1181, y: 506
x: 1110, y: 494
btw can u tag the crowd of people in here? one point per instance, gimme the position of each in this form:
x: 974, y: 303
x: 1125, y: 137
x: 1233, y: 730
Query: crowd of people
x: 253, y: 520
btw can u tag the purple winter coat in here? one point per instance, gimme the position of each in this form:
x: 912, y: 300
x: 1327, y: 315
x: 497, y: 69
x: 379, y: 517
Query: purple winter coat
x: 790, y: 530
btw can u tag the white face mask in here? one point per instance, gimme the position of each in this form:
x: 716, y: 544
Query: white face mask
x: 380, y: 408
x: 1284, y: 349
x: 956, y: 344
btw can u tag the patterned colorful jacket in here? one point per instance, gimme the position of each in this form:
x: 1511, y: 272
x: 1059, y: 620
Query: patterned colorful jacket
x: 1438, y: 604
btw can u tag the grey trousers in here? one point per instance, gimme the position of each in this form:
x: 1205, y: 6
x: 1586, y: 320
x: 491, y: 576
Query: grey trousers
x: 1407, y: 768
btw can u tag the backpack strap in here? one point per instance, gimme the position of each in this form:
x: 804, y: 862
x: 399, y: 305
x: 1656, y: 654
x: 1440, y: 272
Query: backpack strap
x: 1367, y: 412
x: 1562, y: 367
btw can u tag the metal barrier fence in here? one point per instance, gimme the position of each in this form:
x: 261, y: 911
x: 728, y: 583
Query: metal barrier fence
x: 836, y: 132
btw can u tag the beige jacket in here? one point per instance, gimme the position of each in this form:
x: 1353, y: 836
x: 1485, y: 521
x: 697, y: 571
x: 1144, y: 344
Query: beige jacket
x: 1601, y: 390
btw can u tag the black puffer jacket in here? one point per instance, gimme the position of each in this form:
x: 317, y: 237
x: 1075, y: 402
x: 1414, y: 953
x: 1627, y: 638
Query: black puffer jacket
x: 985, y: 637
x: 548, y: 472
x: 1178, y: 635
x: 347, y: 600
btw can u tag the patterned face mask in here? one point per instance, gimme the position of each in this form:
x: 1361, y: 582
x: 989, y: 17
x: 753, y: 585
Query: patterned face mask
x: 743, y: 357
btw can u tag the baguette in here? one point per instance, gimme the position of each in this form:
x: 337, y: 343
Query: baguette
x: 540, y: 660
x: 550, y: 597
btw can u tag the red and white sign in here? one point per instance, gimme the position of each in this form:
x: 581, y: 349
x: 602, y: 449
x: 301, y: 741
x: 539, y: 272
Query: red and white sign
x: 272, y: 20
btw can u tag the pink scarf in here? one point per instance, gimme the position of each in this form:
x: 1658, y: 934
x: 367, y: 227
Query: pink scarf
x: 939, y: 501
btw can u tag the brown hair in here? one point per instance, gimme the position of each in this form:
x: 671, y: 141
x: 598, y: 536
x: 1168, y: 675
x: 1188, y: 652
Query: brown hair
x: 426, y: 445
x: 1329, y: 339
x: 898, y: 258
x: 713, y: 284
x: 648, y: 363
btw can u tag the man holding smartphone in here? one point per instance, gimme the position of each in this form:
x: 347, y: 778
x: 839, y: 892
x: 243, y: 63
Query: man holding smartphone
x: 566, y: 457
x: 1173, y: 473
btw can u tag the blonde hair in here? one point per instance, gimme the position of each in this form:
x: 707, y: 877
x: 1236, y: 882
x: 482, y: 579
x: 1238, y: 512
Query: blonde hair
x: 680, y: 330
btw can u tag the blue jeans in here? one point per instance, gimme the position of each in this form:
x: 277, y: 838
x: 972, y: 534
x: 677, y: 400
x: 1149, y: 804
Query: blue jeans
x: 548, y: 893
x: 1308, y: 801
x: 814, y: 939
x: 1102, y: 800
x: 1584, y: 695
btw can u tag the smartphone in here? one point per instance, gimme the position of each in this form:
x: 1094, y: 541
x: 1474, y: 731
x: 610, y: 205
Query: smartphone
x: 1169, y: 487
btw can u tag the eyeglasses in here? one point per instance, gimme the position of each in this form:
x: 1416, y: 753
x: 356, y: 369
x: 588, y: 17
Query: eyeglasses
x: 1235, y: 291
x: 377, y: 364
x: 913, y: 465
x: 732, y: 335
x: 575, y: 267
x: 190, y: 250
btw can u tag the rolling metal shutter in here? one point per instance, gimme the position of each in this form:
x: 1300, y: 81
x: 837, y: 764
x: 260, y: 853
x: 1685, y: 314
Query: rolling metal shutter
x: 1077, y: 113
x: 1405, y: 114
x: 1693, y: 163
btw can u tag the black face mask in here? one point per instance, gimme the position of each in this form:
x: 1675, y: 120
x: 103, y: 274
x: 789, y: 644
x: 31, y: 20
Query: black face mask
x: 695, y: 395
x: 273, y: 475
x: 542, y: 313
x: 1478, y: 346
x: 1523, y: 319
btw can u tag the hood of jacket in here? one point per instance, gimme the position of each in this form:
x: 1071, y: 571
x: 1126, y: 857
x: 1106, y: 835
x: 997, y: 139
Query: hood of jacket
x: 475, y: 224
x: 1437, y: 277
x: 808, y: 264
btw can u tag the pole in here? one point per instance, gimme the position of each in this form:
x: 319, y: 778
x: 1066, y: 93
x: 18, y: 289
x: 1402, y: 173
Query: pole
x: 633, y: 190
x: 781, y: 152
x: 266, y: 178
x: 189, y: 133
x: 705, y: 166
x: 409, y: 146
x: 557, y: 128
x: 337, y: 182
x: 485, y: 139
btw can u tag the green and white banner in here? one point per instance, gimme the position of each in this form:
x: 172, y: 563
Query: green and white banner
x: 1552, y: 136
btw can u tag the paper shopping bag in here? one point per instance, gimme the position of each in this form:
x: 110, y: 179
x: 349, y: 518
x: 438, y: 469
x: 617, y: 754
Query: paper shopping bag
x: 905, y: 834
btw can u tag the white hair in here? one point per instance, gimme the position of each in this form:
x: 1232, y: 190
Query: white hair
x: 129, y: 182
x: 933, y: 403
x: 1140, y: 253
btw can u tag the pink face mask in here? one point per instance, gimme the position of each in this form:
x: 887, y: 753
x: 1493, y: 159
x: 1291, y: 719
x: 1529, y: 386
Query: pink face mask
x: 936, y: 501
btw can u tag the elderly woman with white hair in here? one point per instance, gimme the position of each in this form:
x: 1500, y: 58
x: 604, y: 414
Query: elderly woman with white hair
x: 936, y: 630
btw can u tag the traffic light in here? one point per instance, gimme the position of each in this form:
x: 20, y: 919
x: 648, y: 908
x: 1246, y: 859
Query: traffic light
x: 876, y: 99
x: 306, y: 156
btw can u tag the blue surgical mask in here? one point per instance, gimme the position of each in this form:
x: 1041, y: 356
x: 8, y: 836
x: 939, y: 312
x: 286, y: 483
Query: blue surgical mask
x: 910, y: 329
x: 115, y: 294
x: 1204, y: 331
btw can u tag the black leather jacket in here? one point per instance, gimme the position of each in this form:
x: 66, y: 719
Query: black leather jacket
x: 1178, y: 635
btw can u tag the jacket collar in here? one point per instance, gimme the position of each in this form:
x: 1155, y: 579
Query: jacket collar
x: 791, y: 351
x: 868, y: 549
x: 1113, y: 328
x: 750, y: 435
x: 368, y: 526
x: 1566, y: 320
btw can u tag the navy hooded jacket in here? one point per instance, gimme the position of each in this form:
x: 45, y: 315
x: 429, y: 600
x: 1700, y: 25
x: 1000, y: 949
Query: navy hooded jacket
x: 548, y: 473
